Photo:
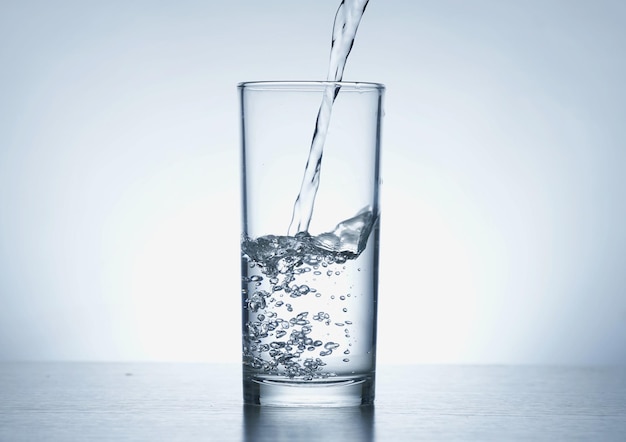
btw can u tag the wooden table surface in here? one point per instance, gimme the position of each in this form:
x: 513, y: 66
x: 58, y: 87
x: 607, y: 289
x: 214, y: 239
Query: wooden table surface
x: 189, y: 402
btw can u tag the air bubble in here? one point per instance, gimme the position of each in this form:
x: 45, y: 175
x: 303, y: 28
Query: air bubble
x: 256, y: 302
x: 303, y: 289
x: 331, y: 345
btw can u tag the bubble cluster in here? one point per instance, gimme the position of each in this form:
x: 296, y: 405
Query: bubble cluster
x: 279, y: 339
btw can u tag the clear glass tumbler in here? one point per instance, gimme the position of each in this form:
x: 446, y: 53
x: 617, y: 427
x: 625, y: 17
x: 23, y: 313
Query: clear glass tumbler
x: 310, y: 240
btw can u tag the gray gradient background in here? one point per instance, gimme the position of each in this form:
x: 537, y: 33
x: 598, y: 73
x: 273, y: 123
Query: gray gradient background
x: 504, y: 195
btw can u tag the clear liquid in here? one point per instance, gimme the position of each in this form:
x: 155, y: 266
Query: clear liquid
x: 309, y: 303
x: 346, y: 24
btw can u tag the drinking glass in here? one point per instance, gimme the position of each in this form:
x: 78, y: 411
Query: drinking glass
x: 310, y: 239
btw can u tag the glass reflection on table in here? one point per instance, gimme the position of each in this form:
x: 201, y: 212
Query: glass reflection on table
x: 308, y: 423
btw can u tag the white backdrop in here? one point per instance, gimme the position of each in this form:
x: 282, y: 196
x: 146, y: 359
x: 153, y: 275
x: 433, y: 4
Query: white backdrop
x: 503, y: 233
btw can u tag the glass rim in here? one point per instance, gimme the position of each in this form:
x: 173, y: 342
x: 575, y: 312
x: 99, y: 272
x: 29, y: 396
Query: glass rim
x: 360, y: 86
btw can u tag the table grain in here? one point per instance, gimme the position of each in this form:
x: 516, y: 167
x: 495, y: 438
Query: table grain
x: 189, y: 402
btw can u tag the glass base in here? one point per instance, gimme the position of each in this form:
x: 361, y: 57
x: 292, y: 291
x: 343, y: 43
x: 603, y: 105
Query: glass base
x: 335, y: 393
